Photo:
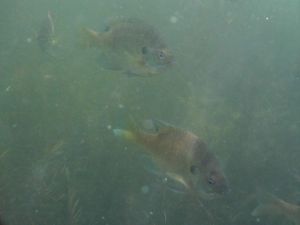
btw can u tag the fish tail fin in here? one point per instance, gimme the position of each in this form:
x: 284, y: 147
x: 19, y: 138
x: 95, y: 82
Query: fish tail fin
x: 90, y: 38
x: 125, y: 134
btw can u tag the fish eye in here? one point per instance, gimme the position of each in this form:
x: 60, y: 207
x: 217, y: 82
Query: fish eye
x: 193, y: 169
x: 161, y: 55
x: 211, y: 181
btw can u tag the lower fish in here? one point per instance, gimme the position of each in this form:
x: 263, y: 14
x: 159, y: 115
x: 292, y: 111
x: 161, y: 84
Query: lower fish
x: 182, y: 155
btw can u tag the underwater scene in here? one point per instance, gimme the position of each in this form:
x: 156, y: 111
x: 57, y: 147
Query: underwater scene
x: 139, y: 112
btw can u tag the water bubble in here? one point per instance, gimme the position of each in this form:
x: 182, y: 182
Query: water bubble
x: 173, y: 19
x: 145, y: 189
x: 8, y: 89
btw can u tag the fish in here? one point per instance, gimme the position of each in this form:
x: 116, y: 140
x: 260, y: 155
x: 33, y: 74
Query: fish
x: 182, y: 155
x: 274, y: 206
x: 138, y: 47
x: 45, y: 34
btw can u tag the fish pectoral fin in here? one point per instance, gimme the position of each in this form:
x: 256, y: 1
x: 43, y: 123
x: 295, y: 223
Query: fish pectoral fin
x: 137, y: 65
x: 177, y: 178
x: 176, y: 183
x: 152, y: 168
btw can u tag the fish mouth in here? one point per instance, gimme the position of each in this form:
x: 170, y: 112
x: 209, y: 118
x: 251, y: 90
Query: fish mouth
x: 218, y: 190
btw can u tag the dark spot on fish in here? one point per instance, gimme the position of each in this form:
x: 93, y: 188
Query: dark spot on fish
x: 217, y: 182
x: 212, y: 178
x: 144, y: 50
x: 211, y: 181
x: 106, y: 28
x: 193, y: 169
x: 161, y: 55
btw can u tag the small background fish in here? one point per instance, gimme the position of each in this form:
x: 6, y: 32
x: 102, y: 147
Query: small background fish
x: 45, y: 35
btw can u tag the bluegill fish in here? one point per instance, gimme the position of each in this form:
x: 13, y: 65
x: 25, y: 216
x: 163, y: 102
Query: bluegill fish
x: 183, y: 156
x: 274, y: 206
x: 138, y: 46
x: 45, y: 35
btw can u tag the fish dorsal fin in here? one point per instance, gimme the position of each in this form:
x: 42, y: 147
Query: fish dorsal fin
x: 161, y: 126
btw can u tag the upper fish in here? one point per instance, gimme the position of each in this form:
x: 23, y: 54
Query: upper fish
x: 138, y: 47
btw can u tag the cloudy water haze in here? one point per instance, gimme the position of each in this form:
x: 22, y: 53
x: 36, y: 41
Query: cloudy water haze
x: 233, y: 79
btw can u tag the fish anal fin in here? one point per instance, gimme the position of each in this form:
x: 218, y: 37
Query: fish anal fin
x: 263, y: 209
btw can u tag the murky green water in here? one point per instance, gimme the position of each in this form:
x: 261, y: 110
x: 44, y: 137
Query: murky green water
x: 235, y: 83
